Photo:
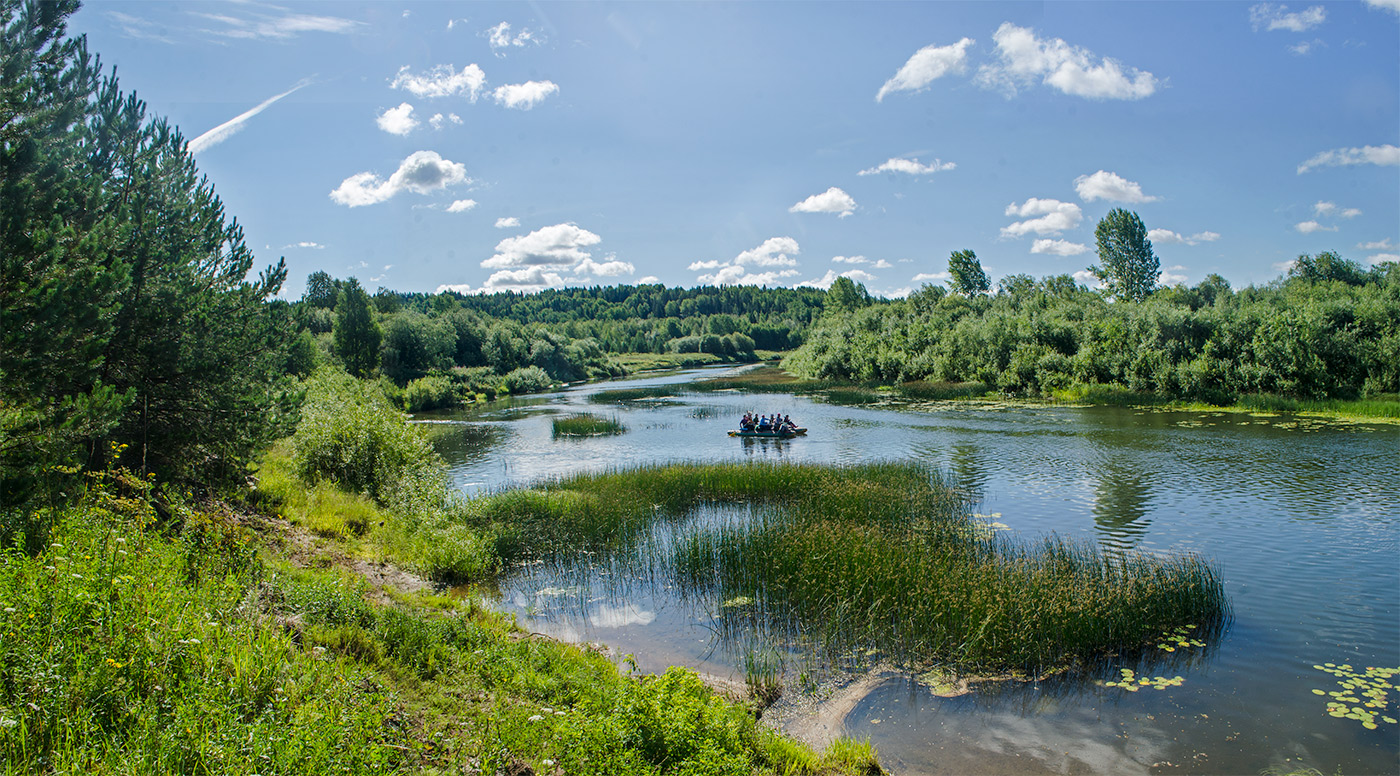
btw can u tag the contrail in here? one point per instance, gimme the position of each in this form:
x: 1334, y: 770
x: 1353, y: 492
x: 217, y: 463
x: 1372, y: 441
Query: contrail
x: 231, y: 127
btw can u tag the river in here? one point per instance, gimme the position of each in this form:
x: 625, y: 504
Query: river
x: 1301, y: 515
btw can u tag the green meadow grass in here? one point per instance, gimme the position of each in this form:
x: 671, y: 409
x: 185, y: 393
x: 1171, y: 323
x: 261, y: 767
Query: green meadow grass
x: 150, y: 635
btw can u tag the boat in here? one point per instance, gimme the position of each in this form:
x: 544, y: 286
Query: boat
x: 785, y: 434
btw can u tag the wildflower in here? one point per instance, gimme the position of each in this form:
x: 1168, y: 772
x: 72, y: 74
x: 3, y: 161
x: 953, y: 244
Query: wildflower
x: 546, y: 763
x: 535, y: 718
x: 10, y: 609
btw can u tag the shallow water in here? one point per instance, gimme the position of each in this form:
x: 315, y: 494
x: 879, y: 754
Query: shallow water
x: 1302, y: 516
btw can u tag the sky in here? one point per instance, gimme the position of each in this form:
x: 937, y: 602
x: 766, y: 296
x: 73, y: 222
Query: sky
x: 490, y: 146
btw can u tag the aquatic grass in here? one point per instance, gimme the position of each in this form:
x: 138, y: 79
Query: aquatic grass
x: 585, y: 425
x: 883, y: 556
x: 941, y: 391
x: 623, y: 395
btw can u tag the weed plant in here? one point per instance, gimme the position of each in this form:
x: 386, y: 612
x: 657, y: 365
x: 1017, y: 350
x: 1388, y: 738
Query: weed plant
x: 585, y: 425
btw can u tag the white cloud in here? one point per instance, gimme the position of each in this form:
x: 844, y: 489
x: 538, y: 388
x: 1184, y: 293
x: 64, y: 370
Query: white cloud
x: 1308, y: 227
x: 1350, y: 212
x: 525, y: 280
x: 772, y: 253
x: 1385, y: 5
x: 833, y: 200
x: 458, y: 288
x: 315, y: 245
x: 1379, y: 245
x: 454, y: 22
x: 648, y: 280
x: 231, y: 127
x: 1086, y: 278
x: 910, y: 166
x: 421, y: 173
x: 882, y: 264
x: 927, y: 277
x: 619, y: 616
x: 438, y: 121
x: 1070, y: 69
x: 138, y: 28
x: 508, y: 222
x: 1168, y: 237
x: 461, y: 206
x: 1058, y: 247
x: 1382, y: 156
x: 1171, y: 276
x: 1055, y: 217
x: 1381, y: 258
x: 606, y: 269
x: 524, y: 96
x: 1324, y: 208
x: 442, y: 81
x: 1109, y: 186
x: 825, y: 281
x: 274, y: 27
x: 500, y: 38
x: 928, y: 64
x: 1276, y: 17
x: 397, y: 121
x: 850, y: 260
x: 558, y: 246
x: 1306, y: 47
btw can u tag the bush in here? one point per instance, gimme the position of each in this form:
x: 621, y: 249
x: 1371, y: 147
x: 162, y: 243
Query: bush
x: 528, y: 379
x: 429, y: 393
x: 352, y: 436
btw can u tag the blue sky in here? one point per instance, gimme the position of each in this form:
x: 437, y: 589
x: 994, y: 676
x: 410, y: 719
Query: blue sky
x: 485, y: 146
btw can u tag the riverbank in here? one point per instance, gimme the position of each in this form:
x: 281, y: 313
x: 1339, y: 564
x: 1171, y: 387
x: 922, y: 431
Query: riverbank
x: 156, y: 631
x: 769, y: 378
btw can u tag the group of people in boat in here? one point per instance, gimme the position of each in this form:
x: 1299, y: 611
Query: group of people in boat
x: 776, y: 424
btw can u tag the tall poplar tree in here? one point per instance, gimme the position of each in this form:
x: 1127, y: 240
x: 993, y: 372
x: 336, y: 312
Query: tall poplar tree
x: 968, y: 276
x: 357, y: 335
x: 1129, y: 267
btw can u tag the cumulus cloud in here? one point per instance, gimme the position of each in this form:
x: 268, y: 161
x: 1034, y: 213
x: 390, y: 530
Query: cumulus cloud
x: 442, y: 81
x: 550, y: 257
x: 423, y: 172
x: 1385, y: 5
x: 561, y: 245
x: 1308, y: 227
x: 1267, y: 16
x: 1382, y: 156
x: 1306, y: 47
x: 456, y: 288
x: 438, y: 121
x: 507, y: 222
x: 234, y: 125
x: 1088, y: 279
x: 648, y: 280
x: 1379, y: 245
x: 927, y: 65
x: 1171, y: 276
x: 825, y: 281
x: 1109, y: 186
x: 850, y: 260
x: 773, y: 252
x: 1058, y: 247
x: 397, y: 121
x: 461, y: 206
x: 1381, y: 258
x: 524, y: 96
x: 910, y: 167
x: 1054, y: 217
x: 833, y: 200
x: 500, y: 38
x: 1023, y: 58
x: 1168, y: 237
x: 928, y: 277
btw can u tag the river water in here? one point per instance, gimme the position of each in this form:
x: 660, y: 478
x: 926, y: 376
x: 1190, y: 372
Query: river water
x: 1302, y: 516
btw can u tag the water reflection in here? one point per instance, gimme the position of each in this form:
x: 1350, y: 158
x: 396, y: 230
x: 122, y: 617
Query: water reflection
x: 462, y: 443
x: 1122, y: 499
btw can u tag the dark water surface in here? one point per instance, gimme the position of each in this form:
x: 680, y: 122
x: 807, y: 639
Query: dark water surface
x: 1302, y: 516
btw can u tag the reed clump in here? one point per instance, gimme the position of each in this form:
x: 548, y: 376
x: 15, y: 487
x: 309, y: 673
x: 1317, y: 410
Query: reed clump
x: 584, y: 425
x: 622, y: 395
x: 883, y: 556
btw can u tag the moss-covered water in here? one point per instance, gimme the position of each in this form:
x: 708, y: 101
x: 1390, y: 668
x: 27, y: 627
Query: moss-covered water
x: 1301, y: 516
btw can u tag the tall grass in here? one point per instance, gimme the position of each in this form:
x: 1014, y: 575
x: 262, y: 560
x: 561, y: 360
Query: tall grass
x: 1381, y: 406
x: 621, y: 395
x: 584, y: 425
x: 879, y: 556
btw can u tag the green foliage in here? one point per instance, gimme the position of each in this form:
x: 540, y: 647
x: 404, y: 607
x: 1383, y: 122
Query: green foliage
x: 429, y: 393
x: 357, y: 335
x: 1303, y: 339
x: 968, y: 275
x: 528, y: 379
x: 585, y: 425
x: 1327, y: 266
x: 1129, y: 267
x: 321, y: 290
x: 846, y: 295
x: 126, y: 306
x: 352, y: 436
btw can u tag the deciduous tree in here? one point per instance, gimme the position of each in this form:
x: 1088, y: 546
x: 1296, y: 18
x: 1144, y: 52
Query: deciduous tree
x: 968, y: 276
x: 1128, y: 268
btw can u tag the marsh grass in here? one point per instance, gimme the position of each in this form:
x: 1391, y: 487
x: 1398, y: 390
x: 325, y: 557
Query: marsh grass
x: 623, y: 395
x: 883, y: 557
x: 585, y: 425
x: 1382, y: 406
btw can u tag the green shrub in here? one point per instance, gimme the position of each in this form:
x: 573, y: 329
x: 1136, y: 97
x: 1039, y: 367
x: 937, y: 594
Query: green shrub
x: 528, y: 379
x: 429, y: 393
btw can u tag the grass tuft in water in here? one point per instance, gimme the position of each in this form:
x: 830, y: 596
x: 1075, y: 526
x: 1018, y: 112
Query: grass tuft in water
x: 584, y: 425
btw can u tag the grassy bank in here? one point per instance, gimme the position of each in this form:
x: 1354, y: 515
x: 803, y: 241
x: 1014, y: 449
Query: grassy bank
x: 152, y: 634
x: 883, y: 557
